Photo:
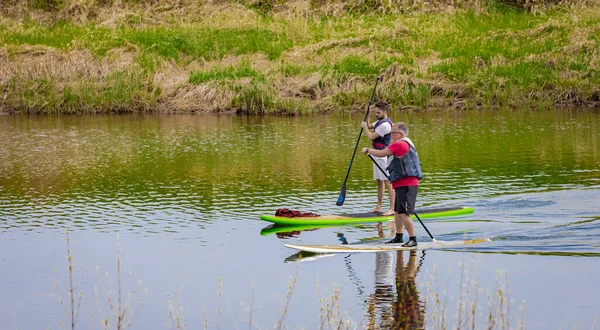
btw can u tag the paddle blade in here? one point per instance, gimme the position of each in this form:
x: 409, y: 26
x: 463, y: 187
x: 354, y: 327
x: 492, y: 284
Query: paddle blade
x: 342, y: 198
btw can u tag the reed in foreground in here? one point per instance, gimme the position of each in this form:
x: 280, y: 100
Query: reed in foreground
x: 419, y: 303
x: 115, y: 310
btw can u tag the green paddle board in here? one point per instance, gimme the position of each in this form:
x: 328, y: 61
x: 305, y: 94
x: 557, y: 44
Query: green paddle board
x: 356, y: 218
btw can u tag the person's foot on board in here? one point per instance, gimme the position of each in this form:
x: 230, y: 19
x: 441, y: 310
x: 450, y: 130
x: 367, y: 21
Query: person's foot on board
x: 395, y: 240
x: 389, y: 212
x: 410, y: 243
x: 375, y: 210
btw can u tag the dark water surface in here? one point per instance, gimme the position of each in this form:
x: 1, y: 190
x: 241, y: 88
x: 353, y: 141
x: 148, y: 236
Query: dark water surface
x: 178, y: 199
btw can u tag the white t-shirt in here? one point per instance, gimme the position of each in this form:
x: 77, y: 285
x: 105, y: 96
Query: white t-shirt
x: 383, y: 129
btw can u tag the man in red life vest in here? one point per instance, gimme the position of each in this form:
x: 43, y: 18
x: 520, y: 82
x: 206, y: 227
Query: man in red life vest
x: 405, y: 173
x: 380, y: 139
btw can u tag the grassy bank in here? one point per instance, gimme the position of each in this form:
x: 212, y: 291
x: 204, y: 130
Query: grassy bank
x: 83, y: 56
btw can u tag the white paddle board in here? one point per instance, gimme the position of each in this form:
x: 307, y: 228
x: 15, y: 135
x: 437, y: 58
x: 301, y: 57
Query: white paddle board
x: 369, y: 247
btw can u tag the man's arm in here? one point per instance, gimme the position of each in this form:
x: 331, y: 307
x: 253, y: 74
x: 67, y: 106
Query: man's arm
x: 371, y: 135
x: 377, y: 153
x: 398, y: 149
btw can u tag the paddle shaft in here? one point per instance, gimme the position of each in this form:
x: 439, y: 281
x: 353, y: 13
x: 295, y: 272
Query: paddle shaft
x: 342, y: 196
x: 415, y: 213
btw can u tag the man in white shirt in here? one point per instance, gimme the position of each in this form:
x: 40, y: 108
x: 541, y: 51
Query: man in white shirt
x: 380, y: 138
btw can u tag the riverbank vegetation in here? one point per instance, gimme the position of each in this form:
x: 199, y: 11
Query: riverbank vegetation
x: 250, y: 56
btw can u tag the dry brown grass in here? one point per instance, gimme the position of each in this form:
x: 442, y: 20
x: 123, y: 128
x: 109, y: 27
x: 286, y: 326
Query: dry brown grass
x: 201, y: 98
x: 114, y: 310
x: 301, y: 79
x: 49, y: 73
x: 32, y: 62
x: 113, y: 12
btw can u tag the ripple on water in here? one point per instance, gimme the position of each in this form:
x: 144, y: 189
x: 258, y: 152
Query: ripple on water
x: 155, y: 174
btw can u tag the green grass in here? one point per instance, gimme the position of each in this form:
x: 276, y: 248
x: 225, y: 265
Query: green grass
x: 209, y: 43
x: 413, y: 95
x: 487, y: 37
x: 530, y: 75
x: 259, y: 97
x: 227, y: 73
x: 170, y: 43
x: 59, y: 35
x: 121, y: 92
x: 495, y: 57
x: 355, y: 65
x: 290, y: 70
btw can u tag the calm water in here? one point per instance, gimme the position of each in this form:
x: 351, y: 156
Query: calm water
x: 178, y: 197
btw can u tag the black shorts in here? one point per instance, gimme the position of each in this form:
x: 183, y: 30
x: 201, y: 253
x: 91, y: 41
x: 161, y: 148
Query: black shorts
x: 406, y: 196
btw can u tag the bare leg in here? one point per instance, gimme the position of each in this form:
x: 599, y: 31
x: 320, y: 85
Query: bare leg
x: 399, y: 223
x: 408, y: 223
x: 392, y: 194
x: 380, y: 192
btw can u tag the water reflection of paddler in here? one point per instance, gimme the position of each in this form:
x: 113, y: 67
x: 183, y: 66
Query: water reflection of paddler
x: 409, y: 312
x: 401, y: 309
x: 342, y: 238
x: 380, y: 302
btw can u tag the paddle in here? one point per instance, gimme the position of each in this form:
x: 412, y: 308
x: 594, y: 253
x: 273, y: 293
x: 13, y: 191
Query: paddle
x: 415, y: 213
x: 342, y: 198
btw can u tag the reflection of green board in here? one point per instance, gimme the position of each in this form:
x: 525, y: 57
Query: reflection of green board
x: 274, y: 229
x: 354, y: 248
x: 346, y: 219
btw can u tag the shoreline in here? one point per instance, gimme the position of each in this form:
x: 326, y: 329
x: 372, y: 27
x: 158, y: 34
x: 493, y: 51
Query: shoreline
x: 293, y: 61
